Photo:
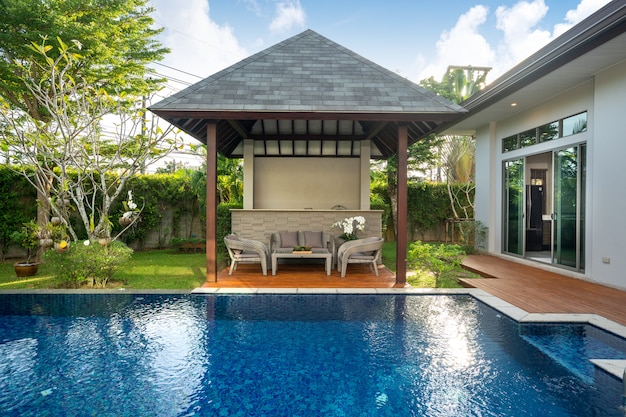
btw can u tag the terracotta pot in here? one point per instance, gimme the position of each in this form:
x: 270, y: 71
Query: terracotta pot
x: 24, y: 269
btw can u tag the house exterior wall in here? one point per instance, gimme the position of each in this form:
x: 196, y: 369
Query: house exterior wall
x: 607, y: 182
x: 605, y: 233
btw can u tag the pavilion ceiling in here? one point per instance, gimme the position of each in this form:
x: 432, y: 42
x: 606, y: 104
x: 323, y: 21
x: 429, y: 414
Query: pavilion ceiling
x: 304, y: 137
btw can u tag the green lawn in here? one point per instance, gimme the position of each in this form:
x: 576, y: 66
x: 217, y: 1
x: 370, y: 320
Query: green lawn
x: 164, y: 269
x: 168, y: 269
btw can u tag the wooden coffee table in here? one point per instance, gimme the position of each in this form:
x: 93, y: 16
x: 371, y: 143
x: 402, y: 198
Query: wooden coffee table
x: 318, y: 254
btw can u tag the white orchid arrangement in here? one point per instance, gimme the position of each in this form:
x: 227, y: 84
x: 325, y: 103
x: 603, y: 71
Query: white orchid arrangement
x: 350, y: 226
x: 130, y: 206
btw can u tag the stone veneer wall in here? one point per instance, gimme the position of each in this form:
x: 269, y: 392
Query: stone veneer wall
x: 260, y: 224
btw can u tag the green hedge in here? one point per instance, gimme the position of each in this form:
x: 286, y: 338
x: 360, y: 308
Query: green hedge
x: 17, y: 205
x: 157, y: 193
x: 428, y: 207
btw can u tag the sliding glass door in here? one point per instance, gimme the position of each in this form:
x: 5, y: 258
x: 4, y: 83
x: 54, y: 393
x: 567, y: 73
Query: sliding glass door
x: 569, y: 213
x: 557, y: 233
x: 513, y: 231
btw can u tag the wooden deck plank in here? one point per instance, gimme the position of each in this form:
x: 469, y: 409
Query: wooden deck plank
x: 304, y: 276
x: 539, y: 291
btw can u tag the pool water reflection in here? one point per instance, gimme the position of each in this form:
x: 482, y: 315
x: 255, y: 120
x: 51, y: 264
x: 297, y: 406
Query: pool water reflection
x: 280, y: 355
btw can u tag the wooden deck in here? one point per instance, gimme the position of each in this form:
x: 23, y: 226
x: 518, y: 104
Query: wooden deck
x: 531, y: 289
x: 539, y: 291
x: 304, y: 276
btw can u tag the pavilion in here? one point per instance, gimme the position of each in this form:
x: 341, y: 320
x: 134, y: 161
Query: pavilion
x: 306, y: 115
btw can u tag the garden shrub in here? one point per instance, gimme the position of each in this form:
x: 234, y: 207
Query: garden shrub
x: 91, y: 264
x: 438, y: 259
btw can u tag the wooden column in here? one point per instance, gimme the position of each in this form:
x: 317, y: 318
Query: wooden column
x: 401, y: 243
x: 211, y: 202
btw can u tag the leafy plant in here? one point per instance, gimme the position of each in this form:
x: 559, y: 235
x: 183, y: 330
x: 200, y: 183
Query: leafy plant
x: 438, y: 259
x: 28, y: 238
x: 90, y: 263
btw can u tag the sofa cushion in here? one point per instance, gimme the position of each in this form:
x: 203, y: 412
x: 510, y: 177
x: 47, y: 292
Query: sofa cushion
x: 288, y: 239
x: 314, y: 239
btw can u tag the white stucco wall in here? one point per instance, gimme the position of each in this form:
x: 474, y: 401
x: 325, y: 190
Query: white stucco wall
x: 486, y: 197
x: 307, y: 183
x: 607, y: 178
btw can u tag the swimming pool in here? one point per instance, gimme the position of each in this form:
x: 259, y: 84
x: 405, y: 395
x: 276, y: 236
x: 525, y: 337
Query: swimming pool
x: 285, y: 355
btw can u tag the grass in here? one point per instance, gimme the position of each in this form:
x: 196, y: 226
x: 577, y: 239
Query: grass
x: 168, y: 269
x: 162, y: 269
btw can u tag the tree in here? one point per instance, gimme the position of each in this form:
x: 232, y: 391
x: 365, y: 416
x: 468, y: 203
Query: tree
x: 81, y: 159
x: 229, y: 184
x: 455, y: 157
x: 459, y: 82
x: 418, y: 155
x: 118, y: 41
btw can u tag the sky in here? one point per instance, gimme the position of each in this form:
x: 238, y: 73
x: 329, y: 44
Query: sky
x: 415, y: 38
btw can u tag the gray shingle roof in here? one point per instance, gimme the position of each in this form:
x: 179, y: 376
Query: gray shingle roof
x: 307, y: 72
x: 306, y: 77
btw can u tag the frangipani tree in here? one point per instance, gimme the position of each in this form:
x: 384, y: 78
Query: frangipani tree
x: 91, y: 144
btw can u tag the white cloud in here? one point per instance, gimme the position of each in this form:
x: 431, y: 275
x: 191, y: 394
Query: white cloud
x: 574, y: 16
x: 198, y: 45
x: 252, y: 5
x: 521, y: 36
x: 289, y: 13
x: 520, y: 40
x: 462, y: 45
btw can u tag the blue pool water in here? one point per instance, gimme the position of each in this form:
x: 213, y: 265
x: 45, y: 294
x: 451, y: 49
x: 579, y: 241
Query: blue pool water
x: 290, y: 355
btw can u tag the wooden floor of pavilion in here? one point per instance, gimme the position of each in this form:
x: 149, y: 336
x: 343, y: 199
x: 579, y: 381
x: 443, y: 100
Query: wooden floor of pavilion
x: 531, y: 289
x: 304, y: 276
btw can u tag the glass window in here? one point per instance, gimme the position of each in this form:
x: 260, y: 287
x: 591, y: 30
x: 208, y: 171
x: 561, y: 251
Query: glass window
x: 528, y: 138
x: 575, y: 124
x: 509, y: 144
x: 549, y: 131
x: 568, y: 126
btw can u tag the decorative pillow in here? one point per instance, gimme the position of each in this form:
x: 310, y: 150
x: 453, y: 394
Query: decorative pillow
x: 314, y: 239
x: 288, y: 239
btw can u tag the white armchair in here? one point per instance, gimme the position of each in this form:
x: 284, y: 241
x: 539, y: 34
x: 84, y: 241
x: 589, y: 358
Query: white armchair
x: 360, y: 251
x: 249, y: 251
